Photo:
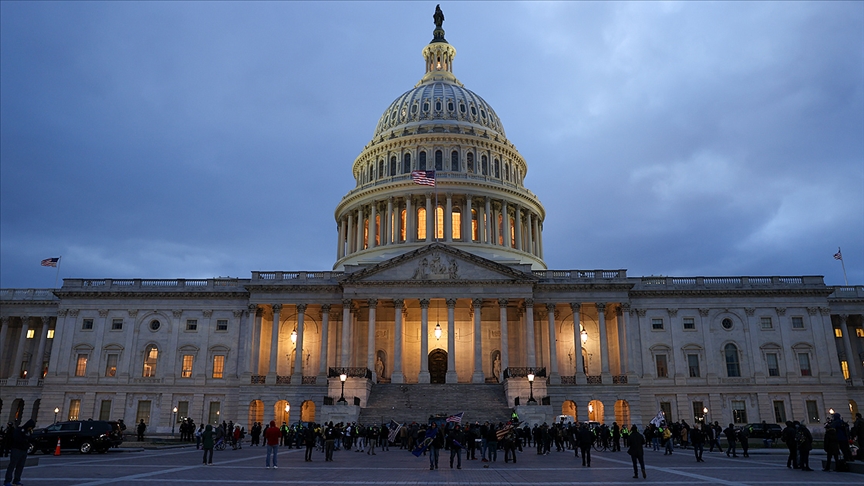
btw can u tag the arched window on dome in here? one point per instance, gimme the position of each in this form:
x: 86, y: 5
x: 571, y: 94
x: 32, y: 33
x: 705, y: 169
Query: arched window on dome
x: 507, y: 171
x: 450, y: 106
x: 406, y: 164
x: 377, y: 229
x: 470, y: 162
x: 438, y: 106
x: 500, y: 229
x: 454, y: 161
x: 422, y: 162
x: 421, y: 223
x: 456, y: 224
x: 392, y: 166
x: 733, y: 367
x: 484, y: 165
x: 402, y: 229
x: 475, y: 235
x: 381, y: 169
x: 365, y: 234
x: 497, y: 169
x: 512, y: 233
x: 439, y: 160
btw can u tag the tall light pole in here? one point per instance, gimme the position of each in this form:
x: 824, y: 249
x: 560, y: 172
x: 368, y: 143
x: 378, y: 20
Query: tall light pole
x: 531, y: 399
x: 173, y: 421
x: 705, y: 415
x: 342, y: 378
x: 287, y: 413
x: 56, y: 411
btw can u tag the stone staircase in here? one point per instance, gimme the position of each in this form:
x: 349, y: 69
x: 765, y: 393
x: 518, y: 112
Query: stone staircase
x: 415, y: 403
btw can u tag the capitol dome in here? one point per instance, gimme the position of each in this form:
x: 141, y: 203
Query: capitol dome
x: 439, y: 169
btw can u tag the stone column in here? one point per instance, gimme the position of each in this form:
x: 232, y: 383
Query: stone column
x: 531, y: 352
x: 477, y: 375
x: 540, y: 239
x: 397, y: 223
x: 373, y: 226
x: 505, y: 226
x: 388, y: 225
x: 340, y: 248
x: 536, y: 235
x: 554, y: 377
x: 579, y: 372
x: 448, y: 219
x: 19, y: 351
x: 360, y: 227
x: 430, y: 219
x: 424, y: 377
x: 410, y: 229
x: 4, y: 331
x: 345, y: 361
x: 451, y: 377
x: 94, y: 364
x: 467, y: 221
x: 488, y: 233
x: 40, y: 353
x: 622, y: 340
x: 297, y: 378
x: 349, y: 244
x: 604, y: 344
x: 397, y: 376
x: 505, y: 341
x: 325, y: 327
x: 851, y: 358
x: 370, y: 339
x: 519, y: 228
x: 274, y: 343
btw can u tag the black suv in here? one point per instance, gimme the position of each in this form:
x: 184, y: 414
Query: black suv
x: 765, y: 431
x: 85, y: 435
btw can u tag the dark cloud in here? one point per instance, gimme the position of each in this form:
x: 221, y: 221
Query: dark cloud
x: 203, y: 139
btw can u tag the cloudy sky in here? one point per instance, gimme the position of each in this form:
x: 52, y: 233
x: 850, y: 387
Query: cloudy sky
x: 202, y: 139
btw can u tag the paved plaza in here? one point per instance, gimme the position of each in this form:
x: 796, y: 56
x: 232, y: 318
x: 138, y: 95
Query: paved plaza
x: 183, y: 466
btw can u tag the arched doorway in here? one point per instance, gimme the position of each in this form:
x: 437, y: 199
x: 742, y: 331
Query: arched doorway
x: 595, y: 411
x: 438, y: 366
x: 622, y: 412
x: 16, y: 411
x: 307, y: 411
x: 569, y: 408
x: 282, y: 412
x: 256, y: 413
x: 853, y: 407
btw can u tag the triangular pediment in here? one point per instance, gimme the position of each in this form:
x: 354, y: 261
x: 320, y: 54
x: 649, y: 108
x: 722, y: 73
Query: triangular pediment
x: 438, y: 263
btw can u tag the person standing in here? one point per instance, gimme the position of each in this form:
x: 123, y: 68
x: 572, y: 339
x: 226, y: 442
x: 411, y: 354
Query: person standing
x: 743, y: 438
x: 616, y: 437
x: 271, y: 439
x: 805, y: 444
x: 697, y: 438
x: 141, y: 428
x: 730, y: 438
x: 456, y: 438
x: 6, y: 441
x: 637, y: 451
x: 585, y: 439
x: 18, y: 452
x: 329, y: 441
x: 788, y: 436
x: 198, y: 435
x: 831, y: 446
x: 858, y: 432
x: 436, y: 445
x: 207, y: 443
x: 309, y: 439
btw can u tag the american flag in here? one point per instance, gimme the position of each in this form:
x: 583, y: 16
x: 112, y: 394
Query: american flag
x: 456, y: 418
x: 50, y: 262
x: 838, y: 255
x: 425, y: 177
x: 394, y: 431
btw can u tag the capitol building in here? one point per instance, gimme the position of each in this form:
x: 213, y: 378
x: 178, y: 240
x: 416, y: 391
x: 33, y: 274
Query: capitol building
x: 439, y: 301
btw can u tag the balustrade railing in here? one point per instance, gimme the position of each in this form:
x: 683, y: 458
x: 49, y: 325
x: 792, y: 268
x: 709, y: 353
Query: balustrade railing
x: 619, y: 379
x: 358, y: 372
x: 595, y: 380
x: 310, y: 380
x: 568, y: 380
x: 523, y: 372
x: 283, y: 380
x: 258, y: 379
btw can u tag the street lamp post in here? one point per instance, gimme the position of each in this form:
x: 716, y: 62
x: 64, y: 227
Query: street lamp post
x: 173, y: 421
x: 705, y: 415
x: 531, y: 399
x: 56, y: 411
x: 342, y: 378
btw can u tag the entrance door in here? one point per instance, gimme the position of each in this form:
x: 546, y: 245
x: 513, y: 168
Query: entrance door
x: 438, y: 366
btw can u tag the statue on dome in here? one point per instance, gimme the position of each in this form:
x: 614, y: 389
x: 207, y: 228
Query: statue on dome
x: 438, y: 17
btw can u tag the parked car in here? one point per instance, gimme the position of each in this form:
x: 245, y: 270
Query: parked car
x: 84, y: 435
x: 765, y: 431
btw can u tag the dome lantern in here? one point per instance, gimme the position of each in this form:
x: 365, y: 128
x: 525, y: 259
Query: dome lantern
x: 439, y: 55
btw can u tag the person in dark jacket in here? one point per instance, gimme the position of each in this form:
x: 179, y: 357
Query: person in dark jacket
x: 141, y: 428
x: 805, y: 443
x: 831, y: 446
x: 788, y: 437
x: 207, y: 443
x: 435, y: 446
x: 637, y: 451
x: 730, y: 438
x: 6, y: 440
x: 456, y: 439
x: 743, y: 438
x: 585, y: 438
x: 697, y: 438
x: 18, y: 454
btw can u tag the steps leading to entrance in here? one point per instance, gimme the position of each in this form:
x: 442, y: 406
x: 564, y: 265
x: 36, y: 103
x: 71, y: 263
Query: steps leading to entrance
x: 415, y: 403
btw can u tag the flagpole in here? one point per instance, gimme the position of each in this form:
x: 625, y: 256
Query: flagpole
x: 57, y: 276
x: 843, y: 264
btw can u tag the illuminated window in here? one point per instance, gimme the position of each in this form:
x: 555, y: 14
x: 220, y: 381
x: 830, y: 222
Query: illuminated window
x: 456, y: 222
x: 422, y: 164
x: 31, y: 333
x: 74, y: 409
x: 365, y: 233
x: 689, y: 323
x: 838, y: 333
x: 454, y: 161
x: 475, y: 228
x: 50, y: 333
x: 81, y: 365
x: 111, y: 365
x: 662, y: 366
x: 182, y: 411
x: 766, y: 323
x: 439, y: 160
x: 421, y: 223
x: 845, y: 367
x: 377, y: 229
x: 501, y: 230
x: 439, y: 223
x: 402, y: 229
x: 797, y: 322
x: 512, y: 233
x: 858, y: 332
x: 186, y: 371
x: 213, y: 416
x: 221, y: 325
x: 733, y: 368
x: 218, y: 366
x: 406, y: 164
x: 804, y: 364
x: 151, y: 354
x: 773, y: 364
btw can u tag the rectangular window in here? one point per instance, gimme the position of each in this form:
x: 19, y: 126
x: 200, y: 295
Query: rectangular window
x: 74, y: 409
x: 662, y: 367
x: 739, y: 412
x: 182, y: 411
x: 797, y: 323
x: 779, y: 411
x: 218, y: 366
x: 221, y: 324
x: 117, y: 324
x: 666, y: 408
x: 456, y: 225
x: 111, y: 365
x: 50, y: 334
x: 186, y: 372
x: 87, y: 324
x: 698, y: 412
x: 105, y: 410
x: 766, y: 323
x: 812, y: 411
x: 213, y: 416
x: 191, y: 324
x: 689, y: 323
x: 143, y: 412
x: 421, y: 223
x: 31, y: 333
x: 656, y: 324
x: 804, y: 364
x: 81, y: 365
x: 773, y: 365
x: 693, y: 364
x: 844, y: 365
x: 838, y: 333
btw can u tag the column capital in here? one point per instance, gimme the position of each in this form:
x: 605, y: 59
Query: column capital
x: 373, y: 303
x: 252, y: 308
x: 4, y: 321
x: 750, y: 311
x: 451, y: 303
x: 448, y: 194
x: 672, y: 312
x: 301, y: 308
x: 60, y: 313
x: 207, y: 313
x: 46, y: 320
x: 104, y: 313
x: 529, y: 303
x: 601, y: 307
x: 133, y: 312
x: 399, y: 303
x: 575, y: 307
x: 176, y: 312
x: 781, y: 311
x: 424, y: 303
x: 812, y: 311
x: 238, y: 314
x: 502, y: 302
x: 550, y: 307
x: 277, y: 307
x: 73, y: 312
x: 347, y: 302
x: 477, y: 303
x: 704, y: 311
x: 825, y: 311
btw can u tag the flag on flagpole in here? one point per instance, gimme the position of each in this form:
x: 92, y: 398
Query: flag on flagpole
x: 660, y: 419
x: 456, y: 418
x: 838, y: 255
x: 394, y: 431
x: 424, y: 177
x: 50, y: 262
x: 431, y: 432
